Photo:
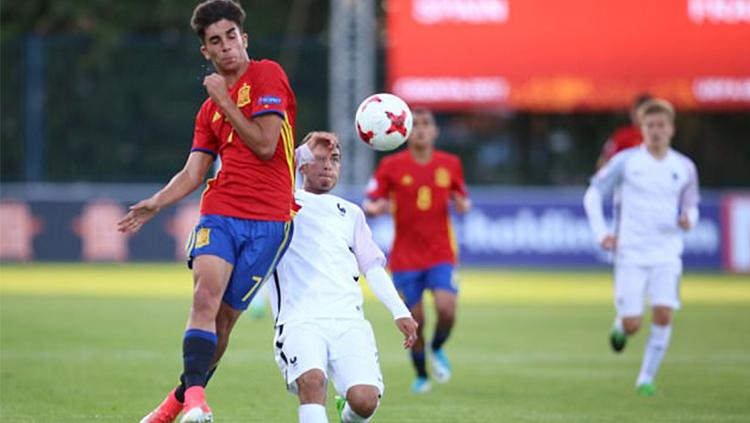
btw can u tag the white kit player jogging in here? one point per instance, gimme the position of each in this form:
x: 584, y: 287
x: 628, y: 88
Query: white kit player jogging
x: 653, y: 194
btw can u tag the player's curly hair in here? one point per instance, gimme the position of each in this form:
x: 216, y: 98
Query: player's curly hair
x: 209, y: 12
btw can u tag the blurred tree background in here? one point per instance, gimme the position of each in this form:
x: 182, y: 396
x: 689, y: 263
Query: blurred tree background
x: 122, y: 80
x: 121, y: 83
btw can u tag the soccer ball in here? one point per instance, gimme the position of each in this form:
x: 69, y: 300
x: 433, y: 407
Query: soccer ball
x: 383, y: 121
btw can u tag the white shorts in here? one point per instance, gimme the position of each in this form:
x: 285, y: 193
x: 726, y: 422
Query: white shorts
x: 661, y: 283
x: 344, y: 350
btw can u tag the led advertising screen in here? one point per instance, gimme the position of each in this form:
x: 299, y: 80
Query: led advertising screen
x: 569, y: 55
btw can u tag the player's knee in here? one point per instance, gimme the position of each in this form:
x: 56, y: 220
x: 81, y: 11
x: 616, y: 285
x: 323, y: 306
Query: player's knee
x: 445, y: 301
x: 312, y: 386
x: 446, y: 316
x: 206, y: 300
x: 662, y: 316
x: 631, y: 325
x: 363, y: 400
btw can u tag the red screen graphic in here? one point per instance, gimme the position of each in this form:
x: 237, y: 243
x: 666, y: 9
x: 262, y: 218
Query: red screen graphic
x: 564, y: 55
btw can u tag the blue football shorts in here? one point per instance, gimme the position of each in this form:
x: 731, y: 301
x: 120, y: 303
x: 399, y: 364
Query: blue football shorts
x: 411, y: 284
x: 253, y: 247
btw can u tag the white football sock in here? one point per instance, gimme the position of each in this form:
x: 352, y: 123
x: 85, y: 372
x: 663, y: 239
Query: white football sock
x: 312, y: 413
x: 349, y: 416
x: 657, y: 344
x: 618, y: 324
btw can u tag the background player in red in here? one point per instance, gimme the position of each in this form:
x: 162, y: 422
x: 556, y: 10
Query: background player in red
x: 624, y: 137
x: 246, y: 211
x: 418, y: 185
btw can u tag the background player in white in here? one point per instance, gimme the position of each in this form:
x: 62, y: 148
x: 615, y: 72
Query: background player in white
x: 658, y: 190
x: 321, y: 332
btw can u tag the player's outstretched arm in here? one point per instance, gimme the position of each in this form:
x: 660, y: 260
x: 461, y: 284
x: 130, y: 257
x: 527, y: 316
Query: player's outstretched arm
x: 182, y: 184
x: 261, y: 134
x: 376, y: 207
x: 382, y: 286
x: 371, y: 261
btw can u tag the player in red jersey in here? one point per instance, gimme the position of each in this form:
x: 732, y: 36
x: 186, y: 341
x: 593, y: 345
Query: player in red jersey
x: 419, y: 184
x: 246, y: 211
x: 624, y: 137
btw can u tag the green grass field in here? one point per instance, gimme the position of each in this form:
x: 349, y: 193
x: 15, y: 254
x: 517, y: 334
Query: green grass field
x: 103, y: 343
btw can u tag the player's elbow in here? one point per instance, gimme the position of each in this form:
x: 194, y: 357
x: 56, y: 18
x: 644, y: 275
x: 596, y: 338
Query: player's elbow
x: 190, y: 178
x: 266, y: 151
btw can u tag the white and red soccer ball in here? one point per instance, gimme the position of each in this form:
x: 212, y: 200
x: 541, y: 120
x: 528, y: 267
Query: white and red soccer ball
x: 383, y: 121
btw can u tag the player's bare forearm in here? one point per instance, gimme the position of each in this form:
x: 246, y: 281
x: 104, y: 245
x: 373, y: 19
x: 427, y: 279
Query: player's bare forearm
x: 182, y: 184
x: 375, y: 207
x: 185, y: 181
x: 179, y: 187
x: 261, y: 134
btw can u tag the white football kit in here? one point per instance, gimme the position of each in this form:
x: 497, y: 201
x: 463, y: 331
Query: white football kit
x: 316, y: 298
x: 653, y: 193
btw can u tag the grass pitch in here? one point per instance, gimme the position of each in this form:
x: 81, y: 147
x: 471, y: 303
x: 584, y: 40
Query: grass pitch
x: 83, y: 343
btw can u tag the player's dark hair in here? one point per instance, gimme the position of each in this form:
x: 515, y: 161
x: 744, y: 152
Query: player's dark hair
x: 211, y: 11
x: 656, y: 105
x: 423, y: 110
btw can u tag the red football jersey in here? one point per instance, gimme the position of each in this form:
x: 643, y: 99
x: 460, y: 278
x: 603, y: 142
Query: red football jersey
x: 420, y: 194
x: 623, y: 138
x: 246, y: 186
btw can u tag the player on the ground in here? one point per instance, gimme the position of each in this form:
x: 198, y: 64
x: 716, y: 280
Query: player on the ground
x: 659, y: 198
x: 419, y: 184
x: 624, y: 137
x: 245, y: 223
x: 321, y: 331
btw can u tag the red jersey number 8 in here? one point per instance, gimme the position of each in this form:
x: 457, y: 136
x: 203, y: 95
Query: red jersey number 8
x: 424, y: 198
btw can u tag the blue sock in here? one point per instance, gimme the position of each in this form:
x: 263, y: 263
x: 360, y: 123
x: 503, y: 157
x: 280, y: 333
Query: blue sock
x: 198, y: 349
x: 439, y: 339
x: 417, y: 357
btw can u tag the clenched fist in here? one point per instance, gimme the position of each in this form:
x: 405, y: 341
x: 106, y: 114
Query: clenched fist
x: 216, y: 86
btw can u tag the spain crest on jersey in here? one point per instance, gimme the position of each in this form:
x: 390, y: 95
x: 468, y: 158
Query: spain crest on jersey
x: 243, y: 95
x: 442, y: 177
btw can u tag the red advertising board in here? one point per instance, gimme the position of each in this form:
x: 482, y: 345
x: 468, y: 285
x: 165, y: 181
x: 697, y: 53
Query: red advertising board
x: 564, y: 55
